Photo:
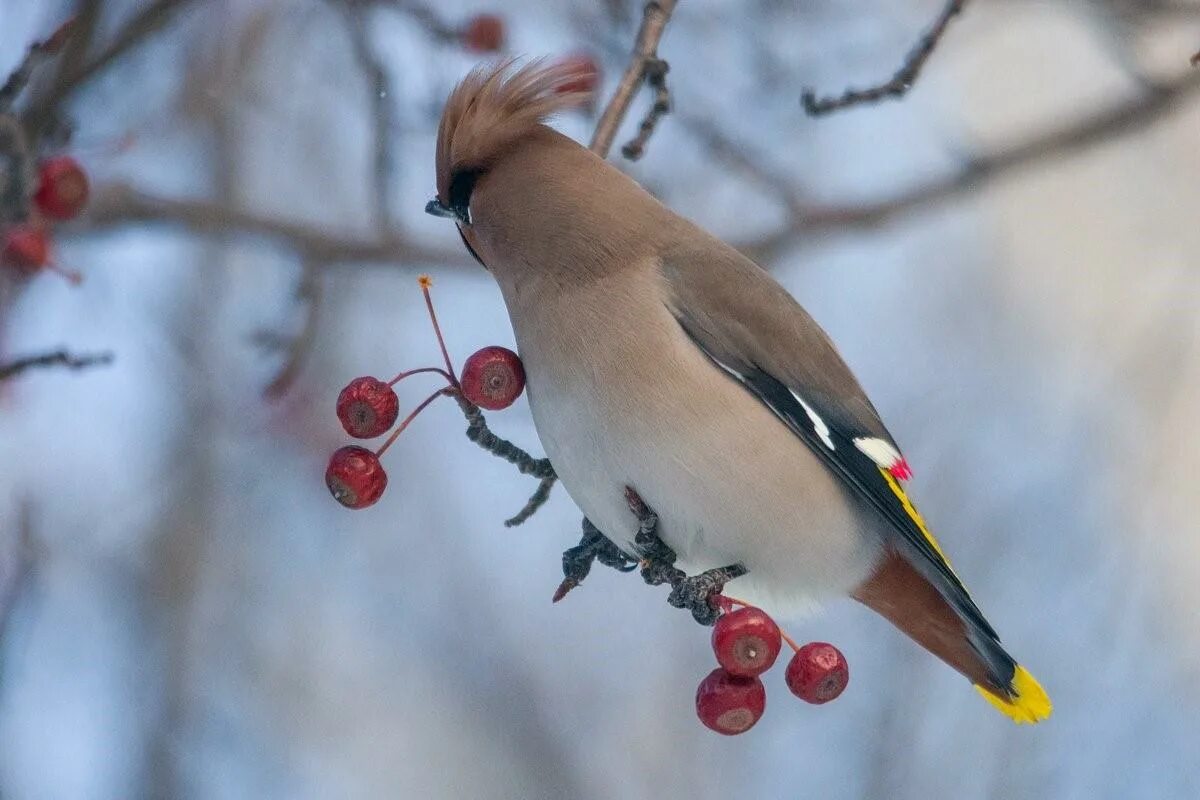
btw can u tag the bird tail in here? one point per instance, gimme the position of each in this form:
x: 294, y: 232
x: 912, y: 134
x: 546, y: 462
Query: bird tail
x: 899, y: 593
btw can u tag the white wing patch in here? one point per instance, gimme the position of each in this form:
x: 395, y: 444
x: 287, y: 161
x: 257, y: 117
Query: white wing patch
x: 818, y: 424
x: 879, y: 451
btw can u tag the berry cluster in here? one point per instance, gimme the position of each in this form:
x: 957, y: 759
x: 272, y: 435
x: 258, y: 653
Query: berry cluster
x: 746, y: 641
x: 62, y: 192
x: 492, y: 378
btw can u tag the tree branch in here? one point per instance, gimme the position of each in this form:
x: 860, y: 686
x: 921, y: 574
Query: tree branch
x: 901, y: 82
x: 118, y: 205
x: 151, y: 19
x: 38, y: 52
x: 58, y: 358
x: 1121, y: 119
x: 645, y: 52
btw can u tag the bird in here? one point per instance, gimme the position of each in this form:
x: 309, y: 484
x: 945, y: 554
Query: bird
x: 659, y: 358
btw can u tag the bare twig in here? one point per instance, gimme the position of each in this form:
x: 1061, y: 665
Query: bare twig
x: 16, y: 171
x: 151, y: 19
x: 645, y: 52
x: 38, y: 52
x: 298, y: 349
x: 382, y: 113
x: 901, y: 82
x: 656, y: 77
x: 424, y: 15
x: 1121, y: 119
x: 16, y: 560
x: 737, y: 155
x: 58, y: 358
x: 535, y: 501
x: 118, y: 205
x: 479, y: 433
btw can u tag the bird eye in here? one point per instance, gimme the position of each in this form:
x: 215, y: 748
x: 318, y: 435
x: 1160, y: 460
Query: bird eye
x: 462, y: 183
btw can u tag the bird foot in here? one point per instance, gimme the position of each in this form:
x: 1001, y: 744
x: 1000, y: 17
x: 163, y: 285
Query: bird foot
x: 593, y: 546
x: 701, y: 593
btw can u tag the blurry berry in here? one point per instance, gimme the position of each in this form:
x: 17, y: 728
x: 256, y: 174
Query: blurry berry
x: 730, y: 704
x: 586, y: 74
x: 26, y: 247
x: 746, y: 641
x: 367, y: 407
x: 493, y: 378
x: 817, y: 673
x: 483, y: 33
x: 355, y: 477
x: 62, y: 187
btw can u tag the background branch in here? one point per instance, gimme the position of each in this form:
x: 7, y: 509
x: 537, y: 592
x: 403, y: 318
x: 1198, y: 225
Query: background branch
x: 901, y: 82
x: 645, y: 51
x: 117, y: 205
x: 58, y: 358
x: 1121, y: 119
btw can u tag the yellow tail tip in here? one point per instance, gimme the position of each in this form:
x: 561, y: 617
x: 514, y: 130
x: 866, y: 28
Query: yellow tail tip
x: 1029, y: 703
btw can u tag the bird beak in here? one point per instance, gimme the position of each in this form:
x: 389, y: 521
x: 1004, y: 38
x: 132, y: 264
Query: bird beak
x: 436, y: 208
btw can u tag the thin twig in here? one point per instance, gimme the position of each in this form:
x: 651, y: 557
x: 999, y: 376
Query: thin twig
x: 16, y: 171
x: 310, y: 294
x: 535, y: 501
x: 16, y: 562
x: 118, y: 205
x: 479, y: 433
x: 424, y: 15
x: 382, y: 113
x: 656, y: 78
x: 645, y: 51
x: 151, y: 19
x: 58, y: 358
x: 1121, y: 119
x: 901, y: 82
x: 738, y: 156
x: 38, y: 52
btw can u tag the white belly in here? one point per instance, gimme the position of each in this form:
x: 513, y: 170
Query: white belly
x: 729, y: 482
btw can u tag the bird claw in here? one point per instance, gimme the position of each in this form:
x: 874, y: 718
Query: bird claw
x: 701, y: 593
x: 698, y: 593
x: 593, y: 546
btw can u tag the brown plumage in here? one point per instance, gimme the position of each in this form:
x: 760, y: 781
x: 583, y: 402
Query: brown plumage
x: 660, y: 358
x: 899, y: 594
x: 494, y: 107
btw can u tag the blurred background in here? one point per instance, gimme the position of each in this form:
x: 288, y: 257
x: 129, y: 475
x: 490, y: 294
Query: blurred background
x: 1008, y: 258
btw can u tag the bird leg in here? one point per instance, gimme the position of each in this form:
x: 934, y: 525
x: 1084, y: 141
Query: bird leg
x: 594, y: 546
x: 697, y: 593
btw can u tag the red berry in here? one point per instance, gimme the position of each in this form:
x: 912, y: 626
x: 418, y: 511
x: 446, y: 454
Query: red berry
x: 62, y: 187
x: 483, y: 33
x: 730, y: 704
x: 746, y: 641
x: 493, y: 378
x: 817, y: 673
x: 27, y: 248
x: 355, y: 477
x: 367, y: 407
x: 586, y: 74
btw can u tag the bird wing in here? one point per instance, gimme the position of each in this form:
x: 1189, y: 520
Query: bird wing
x: 751, y: 328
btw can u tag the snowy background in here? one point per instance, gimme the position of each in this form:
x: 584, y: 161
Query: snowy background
x: 200, y: 619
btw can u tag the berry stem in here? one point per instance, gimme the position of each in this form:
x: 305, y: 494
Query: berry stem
x: 407, y: 373
x: 72, y: 277
x: 400, y: 429
x: 425, y: 282
x: 791, y: 642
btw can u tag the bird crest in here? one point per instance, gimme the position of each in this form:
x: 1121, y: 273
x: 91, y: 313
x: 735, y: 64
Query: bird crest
x: 494, y: 107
